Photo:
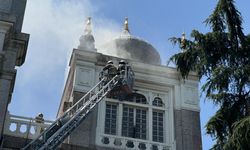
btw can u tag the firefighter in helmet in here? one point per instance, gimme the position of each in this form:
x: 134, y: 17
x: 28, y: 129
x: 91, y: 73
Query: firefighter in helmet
x: 122, y: 67
x: 39, y: 119
x: 110, y: 69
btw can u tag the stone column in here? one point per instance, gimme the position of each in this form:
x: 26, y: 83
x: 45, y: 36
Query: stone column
x: 150, y: 118
x: 4, y: 96
x: 5, y: 83
x: 187, y: 117
x: 119, y: 122
x: 150, y: 125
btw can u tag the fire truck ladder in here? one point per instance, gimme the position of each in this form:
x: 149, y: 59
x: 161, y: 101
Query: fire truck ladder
x: 58, y: 131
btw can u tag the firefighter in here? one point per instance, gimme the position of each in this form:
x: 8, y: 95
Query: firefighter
x: 39, y: 119
x: 122, y: 67
x: 130, y: 77
x: 110, y: 69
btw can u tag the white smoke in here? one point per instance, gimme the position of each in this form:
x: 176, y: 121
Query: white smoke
x: 105, y: 34
x: 112, y: 49
x: 55, y: 28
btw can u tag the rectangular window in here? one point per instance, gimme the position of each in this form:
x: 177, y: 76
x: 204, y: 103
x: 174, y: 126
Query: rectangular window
x: 134, y: 122
x: 110, y: 119
x: 141, y: 124
x: 128, y: 122
x: 158, y: 126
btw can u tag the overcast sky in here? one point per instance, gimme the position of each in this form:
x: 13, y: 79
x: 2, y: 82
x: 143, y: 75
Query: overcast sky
x: 56, y: 25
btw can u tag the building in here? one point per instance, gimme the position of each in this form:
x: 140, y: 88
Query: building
x: 161, y: 114
x: 13, y: 48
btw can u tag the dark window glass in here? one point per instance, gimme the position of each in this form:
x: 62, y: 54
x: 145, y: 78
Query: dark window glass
x: 110, y: 119
x: 137, y: 98
x: 140, y: 124
x: 127, y: 122
x: 134, y: 122
x: 158, y: 126
x: 157, y: 102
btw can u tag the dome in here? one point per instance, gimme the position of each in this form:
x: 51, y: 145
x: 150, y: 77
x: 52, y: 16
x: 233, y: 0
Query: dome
x: 129, y: 47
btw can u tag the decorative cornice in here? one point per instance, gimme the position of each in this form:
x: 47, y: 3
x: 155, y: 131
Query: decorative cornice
x: 5, y: 26
x: 20, y: 43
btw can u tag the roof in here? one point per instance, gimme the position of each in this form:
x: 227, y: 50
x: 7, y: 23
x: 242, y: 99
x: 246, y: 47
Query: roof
x: 129, y: 47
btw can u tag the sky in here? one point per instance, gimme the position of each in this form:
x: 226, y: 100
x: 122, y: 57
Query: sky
x: 56, y: 25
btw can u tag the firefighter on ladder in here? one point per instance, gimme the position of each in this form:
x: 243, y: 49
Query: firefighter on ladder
x: 122, y: 67
x: 109, y: 71
x: 122, y: 70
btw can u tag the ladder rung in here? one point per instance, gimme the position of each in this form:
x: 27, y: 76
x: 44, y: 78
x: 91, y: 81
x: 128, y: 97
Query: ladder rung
x: 55, y: 134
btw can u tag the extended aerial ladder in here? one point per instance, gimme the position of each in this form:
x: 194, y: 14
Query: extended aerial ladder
x: 58, y: 131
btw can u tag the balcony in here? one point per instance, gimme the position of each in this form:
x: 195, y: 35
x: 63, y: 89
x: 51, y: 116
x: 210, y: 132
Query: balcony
x: 27, y: 128
x: 24, y: 127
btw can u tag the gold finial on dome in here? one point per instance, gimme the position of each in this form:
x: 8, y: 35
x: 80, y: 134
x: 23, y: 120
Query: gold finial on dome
x: 126, y: 24
x: 88, y: 29
x: 183, y: 41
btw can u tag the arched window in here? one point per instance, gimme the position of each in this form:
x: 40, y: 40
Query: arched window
x: 158, y: 102
x: 136, y: 98
x: 158, y: 121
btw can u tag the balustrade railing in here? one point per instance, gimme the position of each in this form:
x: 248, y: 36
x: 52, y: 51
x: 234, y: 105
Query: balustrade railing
x: 24, y: 127
x: 131, y: 143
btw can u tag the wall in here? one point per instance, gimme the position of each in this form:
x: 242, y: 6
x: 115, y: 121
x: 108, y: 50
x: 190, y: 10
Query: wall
x: 13, y: 47
x: 183, y: 131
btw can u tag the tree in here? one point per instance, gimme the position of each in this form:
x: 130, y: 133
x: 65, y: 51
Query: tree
x: 222, y: 57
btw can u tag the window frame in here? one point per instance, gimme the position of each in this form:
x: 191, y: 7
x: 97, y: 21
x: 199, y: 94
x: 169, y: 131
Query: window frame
x: 110, y: 122
x: 135, y: 108
x: 150, y: 96
x: 163, y: 125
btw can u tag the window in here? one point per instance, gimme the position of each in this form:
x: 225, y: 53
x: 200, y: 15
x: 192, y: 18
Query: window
x: 158, y: 126
x: 141, y: 124
x: 137, y: 98
x: 128, y: 122
x: 158, y: 121
x: 110, y: 119
x: 134, y: 119
x: 158, y: 102
x: 134, y: 122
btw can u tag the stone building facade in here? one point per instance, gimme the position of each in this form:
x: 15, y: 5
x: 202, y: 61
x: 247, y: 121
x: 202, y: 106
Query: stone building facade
x: 162, y: 113
x: 13, y: 48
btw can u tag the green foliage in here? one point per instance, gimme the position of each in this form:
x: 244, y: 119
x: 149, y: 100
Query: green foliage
x: 222, y: 56
x: 237, y: 140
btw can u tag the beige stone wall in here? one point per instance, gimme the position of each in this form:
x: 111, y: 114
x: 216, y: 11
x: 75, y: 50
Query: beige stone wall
x: 187, y: 130
x: 183, y: 127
